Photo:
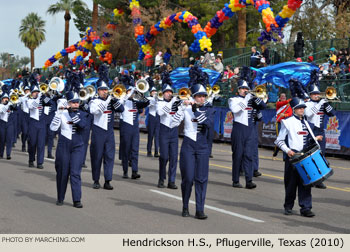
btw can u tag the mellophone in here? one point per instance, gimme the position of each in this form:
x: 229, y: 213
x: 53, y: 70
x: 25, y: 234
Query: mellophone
x: 312, y: 166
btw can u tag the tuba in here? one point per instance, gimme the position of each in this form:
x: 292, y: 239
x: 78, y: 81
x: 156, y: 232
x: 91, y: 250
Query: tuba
x: 56, y: 84
x: 118, y: 91
x: 141, y: 88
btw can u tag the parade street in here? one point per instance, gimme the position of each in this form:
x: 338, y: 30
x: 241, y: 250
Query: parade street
x: 28, y: 197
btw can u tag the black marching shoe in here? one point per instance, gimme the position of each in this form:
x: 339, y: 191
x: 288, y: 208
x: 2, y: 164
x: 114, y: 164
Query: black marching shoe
x: 125, y: 175
x: 31, y: 164
x: 156, y: 154
x: 185, y: 212
x: 171, y: 185
x: 257, y: 174
x: 77, y: 204
x: 321, y: 186
x: 161, y: 183
x: 250, y: 185
x: 40, y: 166
x: 236, y: 185
x: 307, y: 213
x: 107, y: 186
x: 96, y: 185
x: 288, y: 212
x: 50, y: 156
x: 8, y: 158
x: 135, y: 175
x: 59, y: 202
x: 200, y: 215
x: 149, y: 154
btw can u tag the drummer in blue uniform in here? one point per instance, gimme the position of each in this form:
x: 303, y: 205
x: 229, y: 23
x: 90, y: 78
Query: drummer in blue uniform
x: 102, y: 146
x: 153, y: 125
x: 315, y: 111
x: 6, y: 125
x: 295, y: 136
x: 130, y: 130
x: 37, y: 125
x: 70, y: 149
x: 168, y: 134
x: 242, y: 136
x: 194, y: 155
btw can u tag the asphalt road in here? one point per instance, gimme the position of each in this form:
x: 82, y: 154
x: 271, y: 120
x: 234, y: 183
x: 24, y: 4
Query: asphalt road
x: 28, y: 197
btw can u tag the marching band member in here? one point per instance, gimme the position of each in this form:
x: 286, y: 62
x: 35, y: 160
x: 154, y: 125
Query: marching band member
x: 131, y: 133
x: 6, y: 125
x: 24, y: 116
x: 153, y: 125
x: 168, y: 134
x: 102, y: 138
x: 283, y: 111
x: 49, y: 112
x: 37, y: 126
x: 315, y: 111
x: 296, y: 134
x: 242, y: 133
x: 70, y: 149
x: 194, y: 154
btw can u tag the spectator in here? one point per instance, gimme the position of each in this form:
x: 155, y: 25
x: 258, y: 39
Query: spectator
x: 299, y: 60
x: 265, y: 54
x: 158, y: 59
x: 149, y: 61
x: 167, y: 56
x: 332, y: 56
x: 254, y: 57
x: 218, y: 66
x: 299, y: 46
x: 184, y: 54
x: 228, y: 74
x: 262, y: 63
x: 192, y: 61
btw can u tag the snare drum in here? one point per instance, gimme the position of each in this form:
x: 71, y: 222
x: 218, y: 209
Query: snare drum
x: 312, y: 166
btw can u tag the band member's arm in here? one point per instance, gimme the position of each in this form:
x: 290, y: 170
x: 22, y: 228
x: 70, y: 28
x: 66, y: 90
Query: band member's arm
x: 328, y: 109
x: 97, y: 107
x: 280, y: 141
x: 178, y: 117
x: 142, y: 104
x: 47, y: 101
x: 78, y: 120
x: 204, y: 117
x: 56, y: 121
x: 236, y: 105
x: 258, y: 103
x: 117, y: 106
x: 34, y: 103
x: 4, y: 108
x: 164, y: 108
x: 311, y: 110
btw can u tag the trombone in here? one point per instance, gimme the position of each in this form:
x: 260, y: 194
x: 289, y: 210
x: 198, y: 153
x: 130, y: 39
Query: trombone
x: 44, y: 88
x: 118, y: 91
x: 83, y: 94
x: 330, y: 94
x: 260, y: 92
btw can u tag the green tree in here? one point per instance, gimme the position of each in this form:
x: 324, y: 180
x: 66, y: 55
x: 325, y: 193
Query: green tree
x: 23, y: 61
x: 32, y: 33
x: 66, y: 6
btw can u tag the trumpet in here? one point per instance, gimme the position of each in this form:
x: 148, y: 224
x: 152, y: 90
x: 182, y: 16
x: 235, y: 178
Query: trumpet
x: 260, y: 92
x: 44, y: 88
x: 118, y: 91
x: 184, y: 93
x: 330, y: 94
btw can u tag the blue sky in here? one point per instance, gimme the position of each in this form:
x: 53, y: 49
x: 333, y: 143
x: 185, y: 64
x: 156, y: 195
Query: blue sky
x: 11, y: 14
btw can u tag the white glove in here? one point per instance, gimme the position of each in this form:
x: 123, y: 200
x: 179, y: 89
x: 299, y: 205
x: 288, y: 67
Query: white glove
x: 323, y: 101
x: 248, y: 96
x: 108, y: 99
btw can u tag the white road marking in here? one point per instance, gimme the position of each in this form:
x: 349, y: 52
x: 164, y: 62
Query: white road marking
x: 211, y: 207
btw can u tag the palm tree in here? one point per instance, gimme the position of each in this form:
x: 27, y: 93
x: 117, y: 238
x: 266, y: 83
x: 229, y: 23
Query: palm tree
x: 32, y: 33
x: 67, y: 7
